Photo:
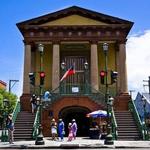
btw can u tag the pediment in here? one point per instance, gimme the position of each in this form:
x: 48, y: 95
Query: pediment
x: 73, y: 20
x: 74, y: 16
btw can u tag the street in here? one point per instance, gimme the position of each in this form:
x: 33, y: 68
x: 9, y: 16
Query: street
x: 92, y: 149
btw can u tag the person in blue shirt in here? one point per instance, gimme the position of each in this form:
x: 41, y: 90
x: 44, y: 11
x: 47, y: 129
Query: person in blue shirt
x: 47, y: 96
x: 61, y: 129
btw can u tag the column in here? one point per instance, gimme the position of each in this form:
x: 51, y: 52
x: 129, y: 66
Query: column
x: 55, y: 66
x: 27, y: 68
x: 122, y: 70
x: 94, y: 66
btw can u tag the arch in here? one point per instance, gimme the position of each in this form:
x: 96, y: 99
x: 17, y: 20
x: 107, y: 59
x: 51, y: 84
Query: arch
x: 79, y: 114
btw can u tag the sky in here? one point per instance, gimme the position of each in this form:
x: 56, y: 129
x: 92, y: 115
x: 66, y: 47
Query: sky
x: 137, y: 48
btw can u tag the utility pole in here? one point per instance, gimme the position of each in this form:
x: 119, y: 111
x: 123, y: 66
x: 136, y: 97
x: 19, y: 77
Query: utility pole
x: 148, y: 81
x: 12, y: 85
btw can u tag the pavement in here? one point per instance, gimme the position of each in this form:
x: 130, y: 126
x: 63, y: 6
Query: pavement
x: 80, y: 142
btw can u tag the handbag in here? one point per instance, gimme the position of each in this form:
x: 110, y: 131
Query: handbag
x: 63, y: 132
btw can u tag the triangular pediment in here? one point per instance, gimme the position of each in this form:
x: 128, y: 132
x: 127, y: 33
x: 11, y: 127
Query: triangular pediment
x: 73, y: 20
x: 74, y: 16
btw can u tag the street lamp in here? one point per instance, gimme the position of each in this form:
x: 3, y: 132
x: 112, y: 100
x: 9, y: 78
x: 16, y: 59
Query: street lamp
x: 4, y: 137
x: 109, y: 138
x: 39, y: 139
x: 63, y: 65
x: 144, y: 107
x: 86, y: 67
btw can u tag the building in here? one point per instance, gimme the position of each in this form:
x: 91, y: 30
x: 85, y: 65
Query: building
x: 2, y: 84
x: 75, y: 36
x: 142, y: 101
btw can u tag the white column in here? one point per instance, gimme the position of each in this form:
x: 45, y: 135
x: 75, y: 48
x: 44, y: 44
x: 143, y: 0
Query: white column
x: 94, y: 67
x: 55, y: 66
x: 27, y: 69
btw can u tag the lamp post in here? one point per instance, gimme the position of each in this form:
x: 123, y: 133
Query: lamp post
x: 86, y: 67
x: 4, y: 137
x: 109, y: 139
x: 144, y: 110
x: 39, y: 139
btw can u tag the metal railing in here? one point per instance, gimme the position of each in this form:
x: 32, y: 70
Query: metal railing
x: 16, y: 111
x: 88, y: 91
x: 136, y: 116
x: 114, y: 126
x: 4, y: 134
x: 35, y: 131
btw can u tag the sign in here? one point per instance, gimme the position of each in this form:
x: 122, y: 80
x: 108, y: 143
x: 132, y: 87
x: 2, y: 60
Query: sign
x: 75, y: 89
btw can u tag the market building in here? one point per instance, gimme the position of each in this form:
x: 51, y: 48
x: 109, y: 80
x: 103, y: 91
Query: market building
x: 74, y: 37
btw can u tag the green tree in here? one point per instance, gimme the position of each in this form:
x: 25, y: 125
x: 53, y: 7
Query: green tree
x: 12, y: 98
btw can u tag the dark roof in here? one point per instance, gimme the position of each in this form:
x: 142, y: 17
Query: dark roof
x: 3, y: 83
x: 75, y: 10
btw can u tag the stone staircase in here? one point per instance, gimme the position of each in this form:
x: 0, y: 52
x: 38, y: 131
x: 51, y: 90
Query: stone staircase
x: 24, y: 126
x: 127, y: 128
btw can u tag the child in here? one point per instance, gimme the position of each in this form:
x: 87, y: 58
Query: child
x: 70, y: 135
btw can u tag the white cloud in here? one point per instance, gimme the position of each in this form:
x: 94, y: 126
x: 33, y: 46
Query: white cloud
x: 138, y: 60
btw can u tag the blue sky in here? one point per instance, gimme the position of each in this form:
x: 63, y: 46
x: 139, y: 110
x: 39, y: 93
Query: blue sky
x: 14, y: 11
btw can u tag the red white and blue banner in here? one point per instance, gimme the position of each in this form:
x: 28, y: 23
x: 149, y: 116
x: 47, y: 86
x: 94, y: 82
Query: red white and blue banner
x: 69, y: 72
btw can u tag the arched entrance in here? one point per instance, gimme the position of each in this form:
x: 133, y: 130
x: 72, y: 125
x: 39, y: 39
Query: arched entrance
x: 79, y: 114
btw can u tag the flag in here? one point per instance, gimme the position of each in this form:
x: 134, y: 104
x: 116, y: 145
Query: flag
x: 69, y: 72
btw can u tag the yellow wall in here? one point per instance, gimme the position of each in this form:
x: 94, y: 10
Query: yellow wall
x: 47, y: 66
x: 74, y: 20
x: 111, y: 62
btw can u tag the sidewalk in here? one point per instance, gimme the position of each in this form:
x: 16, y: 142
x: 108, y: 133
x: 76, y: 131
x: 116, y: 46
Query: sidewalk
x: 80, y: 142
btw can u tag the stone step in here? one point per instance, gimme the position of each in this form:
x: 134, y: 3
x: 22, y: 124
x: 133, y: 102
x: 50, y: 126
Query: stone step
x: 24, y: 126
x: 127, y: 128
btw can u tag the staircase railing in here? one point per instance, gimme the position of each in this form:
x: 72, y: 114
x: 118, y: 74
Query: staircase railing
x: 114, y: 126
x: 16, y: 111
x: 90, y: 92
x: 136, y: 116
x: 36, y: 124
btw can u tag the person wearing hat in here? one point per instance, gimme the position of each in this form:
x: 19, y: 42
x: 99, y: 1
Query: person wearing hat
x: 70, y: 135
x: 74, y: 128
x: 61, y: 129
x: 53, y: 129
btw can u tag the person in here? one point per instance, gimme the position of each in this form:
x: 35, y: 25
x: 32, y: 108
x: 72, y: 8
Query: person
x: 70, y: 134
x: 10, y: 126
x: 33, y: 102
x: 61, y: 128
x: 54, y: 129
x: 74, y: 128
x: 47, y: 96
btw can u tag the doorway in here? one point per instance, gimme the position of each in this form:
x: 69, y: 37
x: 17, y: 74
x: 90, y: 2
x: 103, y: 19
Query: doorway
x: 79, y: 114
